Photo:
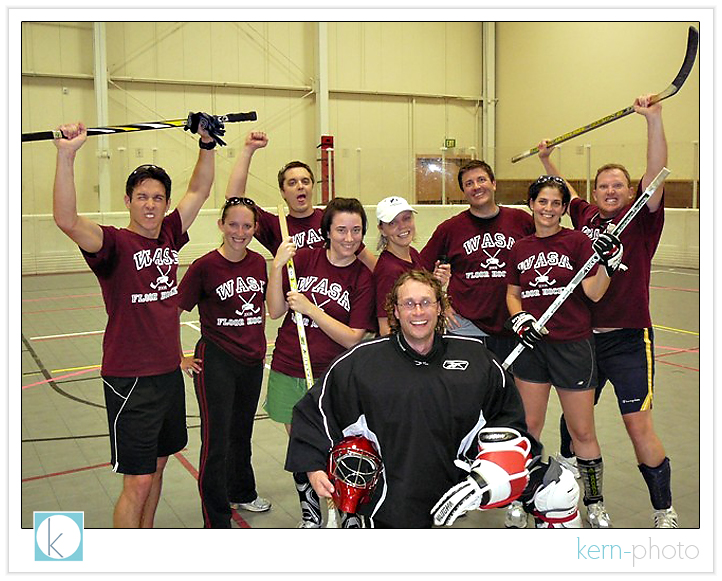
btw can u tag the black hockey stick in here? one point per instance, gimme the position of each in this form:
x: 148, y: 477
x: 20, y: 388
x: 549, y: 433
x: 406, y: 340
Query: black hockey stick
x: 676, y: 85
x: 131, y: 127
x: 569, y: 289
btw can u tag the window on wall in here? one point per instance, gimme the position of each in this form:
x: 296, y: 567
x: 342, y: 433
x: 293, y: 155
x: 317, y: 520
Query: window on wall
x: 435, y: 174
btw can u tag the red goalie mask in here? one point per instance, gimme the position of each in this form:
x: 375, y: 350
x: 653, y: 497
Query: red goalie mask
x: 353, y: 468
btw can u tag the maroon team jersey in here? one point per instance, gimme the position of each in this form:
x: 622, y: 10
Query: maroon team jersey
x: 542, y: 267
x: 230, y: 298
x: 306, y: 232
x: 626, y: 302
x: 137, y: 276
x: 345, y: 293
x: 388, y: 268
x: 478, y: 250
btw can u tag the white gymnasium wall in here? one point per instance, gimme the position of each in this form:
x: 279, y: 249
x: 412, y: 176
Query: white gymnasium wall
x: 397, y: 89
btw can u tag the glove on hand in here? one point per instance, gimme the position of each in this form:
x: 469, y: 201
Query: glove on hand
x: 609, y: 249
x: 525, y: 326
x: 211, y: 123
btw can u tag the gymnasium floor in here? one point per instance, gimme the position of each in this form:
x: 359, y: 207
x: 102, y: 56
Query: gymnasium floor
x: 65, y: 449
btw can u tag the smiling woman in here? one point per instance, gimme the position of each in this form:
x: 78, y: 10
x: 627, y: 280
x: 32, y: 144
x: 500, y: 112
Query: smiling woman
x: 334, y: 299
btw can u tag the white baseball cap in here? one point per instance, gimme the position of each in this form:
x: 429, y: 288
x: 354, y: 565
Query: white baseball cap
x: 388, y: 208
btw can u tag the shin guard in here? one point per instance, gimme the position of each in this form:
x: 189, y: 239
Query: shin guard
x: 310, y: 504
x: 592, y: 472
x: 659, y: 483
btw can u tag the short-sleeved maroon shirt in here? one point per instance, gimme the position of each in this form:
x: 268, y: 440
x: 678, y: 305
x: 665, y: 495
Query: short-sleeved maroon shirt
x: 306, y: 232
x: 138, y: 279
x: 626, y: 302
x: 542, y: 267
x: 478, y: 250
x: 388, y: 268
x: 230, y: 299
x: 345, y: 293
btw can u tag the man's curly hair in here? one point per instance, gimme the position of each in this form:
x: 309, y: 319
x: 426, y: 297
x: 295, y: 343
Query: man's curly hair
x: 423, y: 277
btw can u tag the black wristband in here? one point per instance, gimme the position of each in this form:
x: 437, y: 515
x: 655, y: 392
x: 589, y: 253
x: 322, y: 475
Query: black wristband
x: 203, y: 145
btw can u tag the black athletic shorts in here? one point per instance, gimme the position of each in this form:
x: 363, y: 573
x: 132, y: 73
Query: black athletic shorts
x: 146, y: 418
x: 625, y: 357
x: 567, y: 365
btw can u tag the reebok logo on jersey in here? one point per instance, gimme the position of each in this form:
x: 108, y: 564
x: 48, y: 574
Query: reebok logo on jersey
x: 456, y: 364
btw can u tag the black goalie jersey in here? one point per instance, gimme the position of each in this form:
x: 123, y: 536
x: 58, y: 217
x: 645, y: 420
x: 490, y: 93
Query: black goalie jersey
x: 422, y: 412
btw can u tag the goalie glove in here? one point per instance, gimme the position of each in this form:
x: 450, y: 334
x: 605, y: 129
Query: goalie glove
x: 211, y: 123
x: 609, y: 249
x: 526, y: 328
x: 498, y: 475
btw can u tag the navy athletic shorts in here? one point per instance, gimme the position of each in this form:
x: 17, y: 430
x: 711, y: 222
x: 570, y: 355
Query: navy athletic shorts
x: 625, y: 357
x: 146, y: 418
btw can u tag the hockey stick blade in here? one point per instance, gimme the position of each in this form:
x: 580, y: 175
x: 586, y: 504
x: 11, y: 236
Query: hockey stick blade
x: 133, y: 127
x: 584, y: 270
x: 689, y: 58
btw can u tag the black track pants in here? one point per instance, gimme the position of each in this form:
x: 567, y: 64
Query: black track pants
x: 227, y: 393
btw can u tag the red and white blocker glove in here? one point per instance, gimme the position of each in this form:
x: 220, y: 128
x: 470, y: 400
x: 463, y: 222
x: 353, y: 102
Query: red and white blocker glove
x: 497, y: 476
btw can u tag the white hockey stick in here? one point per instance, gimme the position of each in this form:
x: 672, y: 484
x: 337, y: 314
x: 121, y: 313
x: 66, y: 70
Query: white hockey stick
x: 579, y: 277
x: 305, y: 355
x: 689, y: 58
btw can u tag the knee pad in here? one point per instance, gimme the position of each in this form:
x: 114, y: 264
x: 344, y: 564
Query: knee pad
x: 555, y: 501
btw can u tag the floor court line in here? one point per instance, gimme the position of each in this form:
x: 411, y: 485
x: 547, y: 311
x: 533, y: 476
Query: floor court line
x: 59, y: 298
x: 676, y: 365
x: 675, y: 288
x: 42, y: 311
x: 52, y: 379
x: 65, y: 472
x: 663, y: 328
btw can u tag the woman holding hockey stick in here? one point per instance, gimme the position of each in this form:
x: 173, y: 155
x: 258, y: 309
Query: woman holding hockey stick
x: 335, y: 301
x: 397, y: 230
x: 229, y: 286
x: 563, y: 355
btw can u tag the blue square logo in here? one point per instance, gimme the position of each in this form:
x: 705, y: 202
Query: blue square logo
x: 58, y: 536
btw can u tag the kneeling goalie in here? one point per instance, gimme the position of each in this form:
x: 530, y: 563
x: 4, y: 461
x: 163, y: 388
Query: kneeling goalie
x: 421, y: 399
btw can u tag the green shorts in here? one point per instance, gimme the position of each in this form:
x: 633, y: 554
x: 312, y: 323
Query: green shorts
x: 282, y: 394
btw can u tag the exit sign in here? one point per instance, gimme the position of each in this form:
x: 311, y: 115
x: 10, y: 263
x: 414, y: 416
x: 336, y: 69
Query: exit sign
x: 448, y: 143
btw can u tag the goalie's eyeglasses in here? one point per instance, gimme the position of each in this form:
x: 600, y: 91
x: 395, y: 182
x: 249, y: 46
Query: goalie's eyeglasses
x: 410, y: 305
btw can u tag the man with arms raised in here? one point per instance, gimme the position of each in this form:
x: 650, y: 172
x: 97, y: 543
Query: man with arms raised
x: 136, y: 267
x: 624, y: 338
x: 295, y: 182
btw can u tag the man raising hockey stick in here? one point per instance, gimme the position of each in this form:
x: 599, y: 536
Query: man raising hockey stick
x: 623, y: 333
x: 424, y: 399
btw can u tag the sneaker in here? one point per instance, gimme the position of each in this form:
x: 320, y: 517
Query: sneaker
x: 598, y: 517
x: 308, y: 524
x: 515, y: 517
x: 665, y: 518
x: 258, y: 505
x: 569, y: 463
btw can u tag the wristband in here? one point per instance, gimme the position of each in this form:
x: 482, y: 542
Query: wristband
x: 203, y: 145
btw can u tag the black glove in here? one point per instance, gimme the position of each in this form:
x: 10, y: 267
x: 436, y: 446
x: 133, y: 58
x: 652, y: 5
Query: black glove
x: 525, y: 326
x: 609, y: 249
x: 211, y: 123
